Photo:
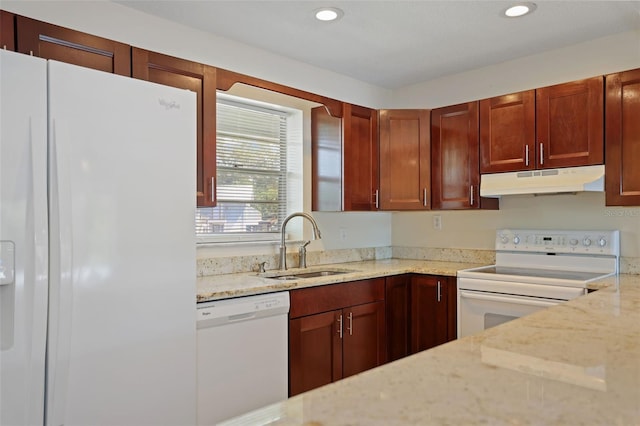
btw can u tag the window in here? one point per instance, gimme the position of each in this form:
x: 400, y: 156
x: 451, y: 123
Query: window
x: 252, y: 170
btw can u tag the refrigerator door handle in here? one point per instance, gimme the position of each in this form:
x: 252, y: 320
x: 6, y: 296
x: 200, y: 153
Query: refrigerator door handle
x: 61, y: 279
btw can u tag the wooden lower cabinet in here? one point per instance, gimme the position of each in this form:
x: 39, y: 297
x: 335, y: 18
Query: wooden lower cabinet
x: 315, y: 351
x: 335, y: 331
x: 431, y: 311
x: 421, y: 313
x: 398, y: 309
x: 363, y: 343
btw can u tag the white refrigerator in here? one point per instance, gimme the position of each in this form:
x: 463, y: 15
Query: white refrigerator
x: 97, y: 248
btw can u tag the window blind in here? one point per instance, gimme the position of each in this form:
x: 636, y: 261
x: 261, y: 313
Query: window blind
x: 251, y: 171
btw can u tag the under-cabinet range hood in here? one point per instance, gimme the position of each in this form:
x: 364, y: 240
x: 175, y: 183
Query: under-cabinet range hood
x: 548, y: 181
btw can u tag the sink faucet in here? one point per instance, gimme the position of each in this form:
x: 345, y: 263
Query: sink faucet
x: 283, y: 247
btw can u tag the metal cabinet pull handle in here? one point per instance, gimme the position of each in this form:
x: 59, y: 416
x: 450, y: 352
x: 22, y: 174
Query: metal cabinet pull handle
x: 377, y: 195
x: 472, y: 200
x: 350, y: 326
x: 439, y: 291
x: 213, y: 189
x: 526, y: 155
x: 541, y: 153
x: 424, y: 197
x: 340, y: 325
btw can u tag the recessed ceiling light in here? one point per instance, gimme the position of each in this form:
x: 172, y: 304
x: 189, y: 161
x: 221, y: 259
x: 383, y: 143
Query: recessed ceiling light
x: 520, y: 9
x: 329, y: 14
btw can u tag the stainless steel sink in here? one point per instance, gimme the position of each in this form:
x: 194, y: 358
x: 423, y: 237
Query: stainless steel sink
x: 303, y: 275
x: 319, y: 274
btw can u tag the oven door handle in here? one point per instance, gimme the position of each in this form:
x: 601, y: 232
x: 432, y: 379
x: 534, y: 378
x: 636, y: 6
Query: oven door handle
x: 520, y: 301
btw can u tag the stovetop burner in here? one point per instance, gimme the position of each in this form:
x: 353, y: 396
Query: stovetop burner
x: 551, y: 257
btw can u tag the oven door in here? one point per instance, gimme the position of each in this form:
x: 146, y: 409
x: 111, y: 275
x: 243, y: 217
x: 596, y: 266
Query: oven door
x: 480, y: 310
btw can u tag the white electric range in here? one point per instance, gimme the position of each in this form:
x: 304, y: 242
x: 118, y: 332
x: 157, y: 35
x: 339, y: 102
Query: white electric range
x: 534, y: 269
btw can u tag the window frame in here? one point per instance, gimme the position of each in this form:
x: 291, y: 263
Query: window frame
x: 269, y: 237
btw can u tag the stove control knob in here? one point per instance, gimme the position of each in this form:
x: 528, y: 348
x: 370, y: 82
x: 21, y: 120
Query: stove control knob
x: 504, y: 239
x: 573, y: 242
x: 516, y: 240
x: 586, y: 242
x: 602, y: 242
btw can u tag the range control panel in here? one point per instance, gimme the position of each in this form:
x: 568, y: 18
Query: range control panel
x: 559, y: 241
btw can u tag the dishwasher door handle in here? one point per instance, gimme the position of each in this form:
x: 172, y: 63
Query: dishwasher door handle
x: 241, y: 317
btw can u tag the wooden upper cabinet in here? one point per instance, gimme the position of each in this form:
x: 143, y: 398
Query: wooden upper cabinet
x: 455, y: 174
x: 360, y: 158
x: 622, y: 138
x: 326, y: 161
x: 198, y: 78
x: 50, y: 41
x: 405, y: 180
x: 508, y: 132
x: 344, y: 159
x: 7, y: 30
x: 569, y: 124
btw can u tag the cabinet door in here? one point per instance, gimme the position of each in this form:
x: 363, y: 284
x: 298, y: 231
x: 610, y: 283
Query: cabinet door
x: 344, y: 159
x: 405, y: 180
x: 508, y: 133
x: 363, y: 344
x: 397, y: 311
x: 623, y: 139
x: 429, y: 314
x: 326, y: 161
x: 200, y: 79
x: 360, y: 158
x: 65, y: 45
x: 7, y: 31
x: 569, y: 124
x: 315, y: 351
x: 455, y: 174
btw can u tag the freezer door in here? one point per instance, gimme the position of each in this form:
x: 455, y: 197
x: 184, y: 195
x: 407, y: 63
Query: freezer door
x: 23, y: 238
x: 122, y: 342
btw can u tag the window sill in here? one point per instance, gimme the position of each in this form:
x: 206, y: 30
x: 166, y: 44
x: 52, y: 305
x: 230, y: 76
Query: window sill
x: 253, y: 238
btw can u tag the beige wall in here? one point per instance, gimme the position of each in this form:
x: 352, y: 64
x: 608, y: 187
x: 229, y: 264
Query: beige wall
x: 476, y: 229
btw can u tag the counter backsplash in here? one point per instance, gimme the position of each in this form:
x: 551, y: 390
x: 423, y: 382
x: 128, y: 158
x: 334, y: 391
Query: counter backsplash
x: 249, y: 263
x: 237, y: 264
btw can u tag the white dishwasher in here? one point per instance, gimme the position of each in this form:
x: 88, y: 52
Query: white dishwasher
x: 242, y: 355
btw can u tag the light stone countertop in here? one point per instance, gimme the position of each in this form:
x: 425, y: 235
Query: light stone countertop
x: 244, y: 284
x: 577, y: 363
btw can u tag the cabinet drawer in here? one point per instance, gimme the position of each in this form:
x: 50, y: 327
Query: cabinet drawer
x: 325, y: 298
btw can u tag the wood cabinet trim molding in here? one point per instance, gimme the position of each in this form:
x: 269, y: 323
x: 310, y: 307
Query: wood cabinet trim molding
x: 227, y: 78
